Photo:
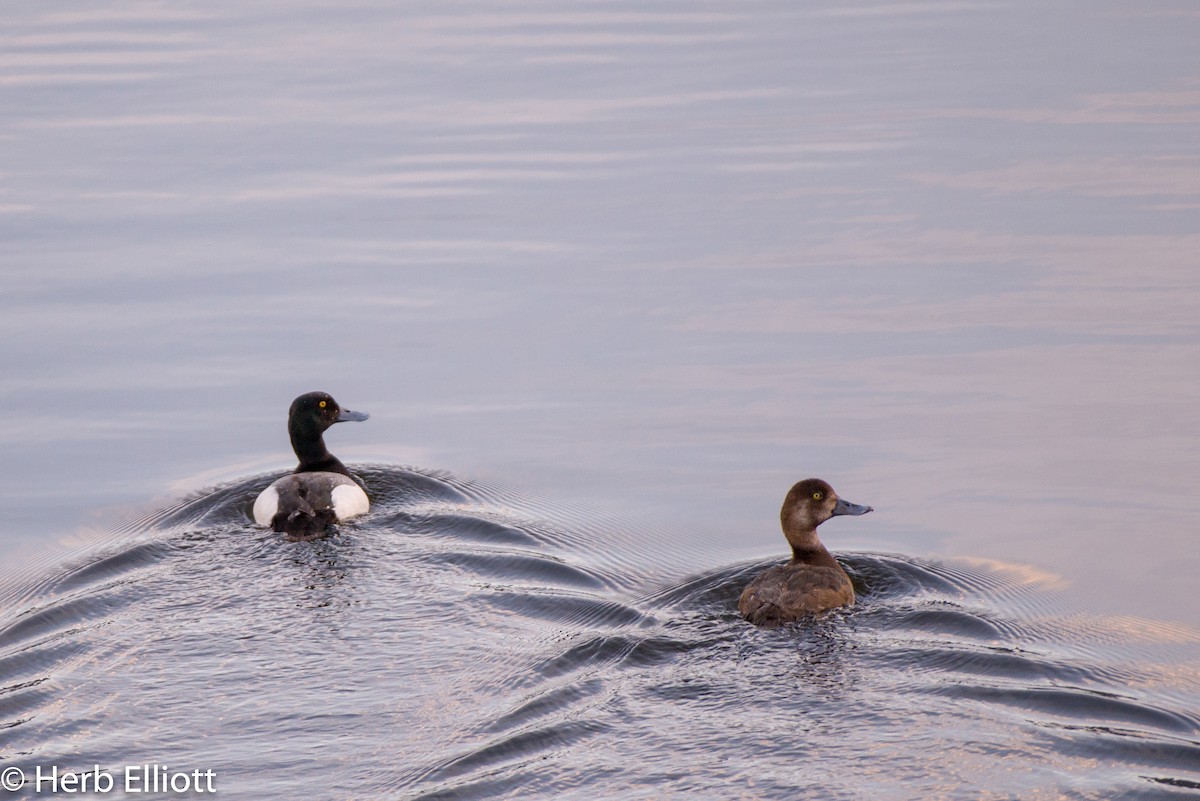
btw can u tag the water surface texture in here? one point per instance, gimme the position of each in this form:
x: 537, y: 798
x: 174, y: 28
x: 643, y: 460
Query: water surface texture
x: 609, y: 278
x: 455, y: 645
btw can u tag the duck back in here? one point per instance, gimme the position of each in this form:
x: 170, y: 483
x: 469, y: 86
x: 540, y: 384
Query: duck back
x: 785, y: 593
x: 304, y: 506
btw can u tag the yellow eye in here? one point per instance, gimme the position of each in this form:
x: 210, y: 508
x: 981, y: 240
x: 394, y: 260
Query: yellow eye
x: 322, y: 404
x: 816, y: 496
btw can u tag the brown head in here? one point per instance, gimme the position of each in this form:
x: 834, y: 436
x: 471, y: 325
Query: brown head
x: 809, y: 504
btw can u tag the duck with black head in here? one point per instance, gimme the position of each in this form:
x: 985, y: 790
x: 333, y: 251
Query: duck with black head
x: 812, y: 581
x: 305, y: 504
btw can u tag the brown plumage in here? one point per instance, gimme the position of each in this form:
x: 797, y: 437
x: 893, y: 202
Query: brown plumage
x: 812, y: 581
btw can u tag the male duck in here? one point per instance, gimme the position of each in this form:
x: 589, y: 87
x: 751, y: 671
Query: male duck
x: 812, y: 581
x: 320, y: 491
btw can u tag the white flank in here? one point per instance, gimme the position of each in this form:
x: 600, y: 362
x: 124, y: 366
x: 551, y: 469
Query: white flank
x: 266, y: 505
x: 349, y: 501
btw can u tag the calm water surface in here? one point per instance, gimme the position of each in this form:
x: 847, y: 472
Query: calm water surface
x: 609, y: 277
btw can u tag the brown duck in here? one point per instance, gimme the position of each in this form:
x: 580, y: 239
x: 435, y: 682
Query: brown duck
x: 812, y: 581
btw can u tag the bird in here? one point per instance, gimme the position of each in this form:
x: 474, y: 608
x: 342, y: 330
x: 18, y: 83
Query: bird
x: 812, y: 581
x: 306, y: 503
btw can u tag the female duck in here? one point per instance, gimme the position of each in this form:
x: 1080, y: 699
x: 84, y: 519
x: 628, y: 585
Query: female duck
x: 320, y: 491
x: 813, y: 581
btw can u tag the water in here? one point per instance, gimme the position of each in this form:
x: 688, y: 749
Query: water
x: 609, y: 279
x: 458, y: 646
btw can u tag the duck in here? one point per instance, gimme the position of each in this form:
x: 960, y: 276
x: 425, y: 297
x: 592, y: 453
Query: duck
x: 306, y: 503
x: 812, y: 581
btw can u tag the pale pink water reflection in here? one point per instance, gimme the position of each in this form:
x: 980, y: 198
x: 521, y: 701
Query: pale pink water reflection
x: 633, y: 269
x: 691, y: 252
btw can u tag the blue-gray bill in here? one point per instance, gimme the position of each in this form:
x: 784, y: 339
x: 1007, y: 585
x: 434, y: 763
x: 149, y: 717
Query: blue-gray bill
x: 847, y: 508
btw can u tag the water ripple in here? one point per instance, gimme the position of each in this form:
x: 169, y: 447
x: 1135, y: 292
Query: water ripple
x: 459, y: 642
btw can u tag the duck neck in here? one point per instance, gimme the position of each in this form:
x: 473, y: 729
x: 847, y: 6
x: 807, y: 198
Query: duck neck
x: 308, y: 442
x: 807, y: 548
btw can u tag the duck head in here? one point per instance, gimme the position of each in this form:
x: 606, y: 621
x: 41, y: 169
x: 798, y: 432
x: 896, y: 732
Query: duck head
x: 308, y: 418
x: 318, y: 410
x: 809, y: 504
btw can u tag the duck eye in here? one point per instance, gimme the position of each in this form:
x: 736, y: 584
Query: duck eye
x: 817, y: 496
x: 321, y: 404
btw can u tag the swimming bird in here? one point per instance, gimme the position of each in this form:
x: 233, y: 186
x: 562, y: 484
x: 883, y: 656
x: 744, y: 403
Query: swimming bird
x: 812, y: 581
x: 320, y: 491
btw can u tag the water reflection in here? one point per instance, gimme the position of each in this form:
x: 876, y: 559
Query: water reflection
x: 542, y: 663
x: 656, y: 260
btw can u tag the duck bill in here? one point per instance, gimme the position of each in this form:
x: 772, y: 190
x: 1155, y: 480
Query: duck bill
x: 847, y: 508
x: 347, y: 416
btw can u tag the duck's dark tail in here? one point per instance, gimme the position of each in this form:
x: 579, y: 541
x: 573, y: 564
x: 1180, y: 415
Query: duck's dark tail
x: 766, y: 615
x: 298, y: 519
x: 304, y: 526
